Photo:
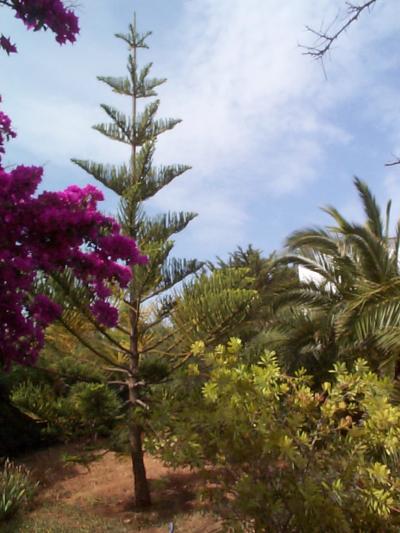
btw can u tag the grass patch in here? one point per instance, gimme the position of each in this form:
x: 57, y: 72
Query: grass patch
x: 61, y: 518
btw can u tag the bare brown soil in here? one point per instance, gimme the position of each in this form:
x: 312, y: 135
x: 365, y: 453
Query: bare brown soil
x: 104, y: 488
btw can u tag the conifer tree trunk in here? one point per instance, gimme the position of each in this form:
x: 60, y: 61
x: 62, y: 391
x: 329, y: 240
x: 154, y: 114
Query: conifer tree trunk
x: 140, y: 484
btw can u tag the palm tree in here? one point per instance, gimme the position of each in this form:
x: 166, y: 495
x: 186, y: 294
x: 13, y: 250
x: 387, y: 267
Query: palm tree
x: 354, y: 286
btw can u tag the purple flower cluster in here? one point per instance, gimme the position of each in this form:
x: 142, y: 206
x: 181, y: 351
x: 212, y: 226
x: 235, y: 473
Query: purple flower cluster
x: 44, y: 235
x: 46, y: 14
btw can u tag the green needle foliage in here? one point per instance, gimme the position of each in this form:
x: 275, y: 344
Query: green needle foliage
x: 150, y: 297
x: 213, y: 306
x: 270, y: 280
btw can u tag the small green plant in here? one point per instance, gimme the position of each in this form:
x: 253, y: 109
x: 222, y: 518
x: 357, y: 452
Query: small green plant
x: 16, y: 489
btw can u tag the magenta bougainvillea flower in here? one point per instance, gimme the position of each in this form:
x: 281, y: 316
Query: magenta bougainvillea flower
x: 43, y: 14
x: 45, y: 235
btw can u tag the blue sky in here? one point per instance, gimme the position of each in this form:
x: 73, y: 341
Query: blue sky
x: 270, y: 139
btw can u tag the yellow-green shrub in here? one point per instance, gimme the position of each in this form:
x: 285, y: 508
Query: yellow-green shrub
x: 287, y: 458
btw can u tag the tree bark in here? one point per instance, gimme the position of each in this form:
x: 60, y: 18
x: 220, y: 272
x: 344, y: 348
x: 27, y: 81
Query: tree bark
x: 141, y: 486
x: 141, y: 489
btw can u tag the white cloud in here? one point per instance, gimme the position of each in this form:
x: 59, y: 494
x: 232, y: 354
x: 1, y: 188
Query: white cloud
x: 243, y: 82
x: 248, y: 99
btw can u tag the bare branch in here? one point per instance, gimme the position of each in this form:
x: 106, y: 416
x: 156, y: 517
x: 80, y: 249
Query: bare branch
x: 393, y: 163
x: 116, y: 369
x: 142, y: 404
x: 326, y: 38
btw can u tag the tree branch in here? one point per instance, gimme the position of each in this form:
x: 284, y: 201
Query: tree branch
x: 326, y: 38
x: 393, y: 163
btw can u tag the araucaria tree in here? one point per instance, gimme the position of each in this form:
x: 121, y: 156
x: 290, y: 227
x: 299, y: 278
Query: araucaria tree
x: 148, y: 300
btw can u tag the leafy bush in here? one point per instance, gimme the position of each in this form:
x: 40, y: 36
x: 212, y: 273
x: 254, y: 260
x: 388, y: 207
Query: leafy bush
x: 16, y: 489
x: 286, y: 458
x: 88, y: 409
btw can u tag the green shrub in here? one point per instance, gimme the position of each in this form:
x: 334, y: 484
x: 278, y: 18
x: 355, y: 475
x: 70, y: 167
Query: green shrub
x: 95, y: 406
x: 73, y: 368
x: 286, y: 458
x: 88, y: 409
x: 40, y: 401
x: 16, y: 489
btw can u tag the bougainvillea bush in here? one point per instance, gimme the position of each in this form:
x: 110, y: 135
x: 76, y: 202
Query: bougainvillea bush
x: 46, y: 234
x: 51, y: 233
x: 42, y: 14
x: 286, y: 458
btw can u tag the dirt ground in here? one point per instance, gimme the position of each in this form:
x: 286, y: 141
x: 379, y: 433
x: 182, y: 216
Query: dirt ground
x: 104, y: 489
